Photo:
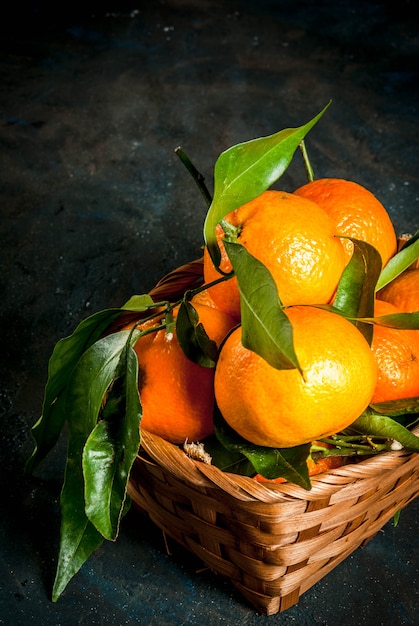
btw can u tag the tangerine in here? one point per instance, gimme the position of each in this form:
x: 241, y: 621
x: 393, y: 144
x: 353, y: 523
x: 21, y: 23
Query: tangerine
x: 205, y: 297
x: 397, y: 355
x: 294, y: 238
x: 177, y: 394
x: 356, y: 213
x: 403, y: 291
x: 285, y: 408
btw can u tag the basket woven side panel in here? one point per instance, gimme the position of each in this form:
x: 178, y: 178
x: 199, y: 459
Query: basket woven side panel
x: 273, y: 543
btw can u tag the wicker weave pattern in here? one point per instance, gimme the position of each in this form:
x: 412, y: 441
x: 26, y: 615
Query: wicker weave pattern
x: 272, y: 541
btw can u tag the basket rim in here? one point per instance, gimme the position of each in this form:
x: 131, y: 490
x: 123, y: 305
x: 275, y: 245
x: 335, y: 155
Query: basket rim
x: 172, y: 458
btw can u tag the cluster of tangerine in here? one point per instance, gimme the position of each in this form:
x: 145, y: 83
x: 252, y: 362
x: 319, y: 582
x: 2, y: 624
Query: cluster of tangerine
x: 303, y: 240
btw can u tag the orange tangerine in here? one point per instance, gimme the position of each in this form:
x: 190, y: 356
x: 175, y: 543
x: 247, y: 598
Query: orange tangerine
x: 177, y: 394
x: 356, y: 213
x: 285, y: 408
x: 294, y: 238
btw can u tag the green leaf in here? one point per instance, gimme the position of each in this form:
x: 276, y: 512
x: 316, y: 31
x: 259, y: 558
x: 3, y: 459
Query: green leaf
x: 404, y: 411
x: 399, y: 262
x: 266, y: 329
x: 65, y: 357
x: 231, y: 461
x: 397, y: 407
x: 376, y: 425
x: 78, y: 541
x: 247, y: 169
x: 396, y: 517
x: 356, y: 290
x: 112, y: 448
x: 85, y: 392
x: 401, y: 321
x: 139, y: 303
x: 193, y: 338
x: 288, y: 463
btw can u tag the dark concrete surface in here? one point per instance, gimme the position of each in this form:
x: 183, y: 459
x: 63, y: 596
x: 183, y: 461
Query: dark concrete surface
x: 95, y: 206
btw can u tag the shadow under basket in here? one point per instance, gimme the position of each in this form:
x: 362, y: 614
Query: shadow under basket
x: 272, y: 541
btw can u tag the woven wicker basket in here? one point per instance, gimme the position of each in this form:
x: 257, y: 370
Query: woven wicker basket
x: 273, y: 542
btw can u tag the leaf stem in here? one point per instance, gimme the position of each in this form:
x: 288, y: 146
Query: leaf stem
x: 190, y: 293
x: 306, y: 160
x: 350, y: 445
x: 196, y: 175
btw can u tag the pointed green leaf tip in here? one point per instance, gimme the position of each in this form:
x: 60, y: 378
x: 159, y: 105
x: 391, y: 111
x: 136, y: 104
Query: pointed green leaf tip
x: 400, y: 262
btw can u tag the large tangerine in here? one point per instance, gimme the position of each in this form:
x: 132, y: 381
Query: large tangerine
x: 284, y: 408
